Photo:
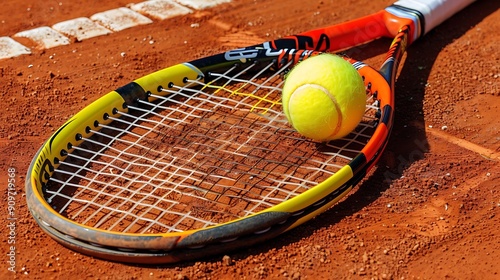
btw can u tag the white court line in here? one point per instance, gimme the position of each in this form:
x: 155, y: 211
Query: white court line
x: 101, y: 24
x: 81, y: 28
x: 160, y: 9
x: 44, y: 37
x: 201, y: 4
x: 120, y: 19
x: 11, y: 48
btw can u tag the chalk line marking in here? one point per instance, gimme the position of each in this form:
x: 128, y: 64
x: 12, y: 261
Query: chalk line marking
x: 160, y: 9
x: 11, y: 48
x: 201, y: 4
x: 81, y: 28
x: 120, y: 19
x: 44, y: 37
x: 485, y: 152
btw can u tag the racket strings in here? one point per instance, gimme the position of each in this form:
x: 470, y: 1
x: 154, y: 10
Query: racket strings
x: 202, y: 154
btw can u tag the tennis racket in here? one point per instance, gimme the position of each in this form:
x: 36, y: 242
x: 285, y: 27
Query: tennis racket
x: 198, y: 159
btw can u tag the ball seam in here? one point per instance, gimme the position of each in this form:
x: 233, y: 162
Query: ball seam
x: 332, y: 98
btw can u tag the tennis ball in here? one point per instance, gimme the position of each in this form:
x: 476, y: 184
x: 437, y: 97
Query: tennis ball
x: 324, y: 97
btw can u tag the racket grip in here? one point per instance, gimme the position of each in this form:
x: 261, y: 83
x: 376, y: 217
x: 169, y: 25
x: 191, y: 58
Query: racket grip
x: 434, y: 11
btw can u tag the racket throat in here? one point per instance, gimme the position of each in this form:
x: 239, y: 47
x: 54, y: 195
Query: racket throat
x: 395, y: 54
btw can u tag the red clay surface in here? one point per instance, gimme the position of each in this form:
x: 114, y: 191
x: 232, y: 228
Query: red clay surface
x: 430, y: 210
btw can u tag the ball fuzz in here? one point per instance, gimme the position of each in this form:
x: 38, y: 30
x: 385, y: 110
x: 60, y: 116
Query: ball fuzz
x: 324, y: 97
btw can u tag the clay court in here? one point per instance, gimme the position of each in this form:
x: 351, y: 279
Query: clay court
x: 429, y: 210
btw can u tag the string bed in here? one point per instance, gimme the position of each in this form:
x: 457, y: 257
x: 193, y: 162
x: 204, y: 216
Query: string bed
x: 200, y: 155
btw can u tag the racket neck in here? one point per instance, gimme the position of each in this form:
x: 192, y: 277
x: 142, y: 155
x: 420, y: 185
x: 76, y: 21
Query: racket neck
x: 395, y: 54
x: 337, y: 37
x: 385, y: 23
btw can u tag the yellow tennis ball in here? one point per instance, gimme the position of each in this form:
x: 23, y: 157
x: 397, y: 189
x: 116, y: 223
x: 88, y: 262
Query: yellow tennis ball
x: 324, y: 97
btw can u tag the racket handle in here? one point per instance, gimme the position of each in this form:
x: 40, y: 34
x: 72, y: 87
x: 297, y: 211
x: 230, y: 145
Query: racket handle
x: 434, y: 11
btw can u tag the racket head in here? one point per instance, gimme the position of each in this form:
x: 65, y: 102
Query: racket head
x: 50, y: 203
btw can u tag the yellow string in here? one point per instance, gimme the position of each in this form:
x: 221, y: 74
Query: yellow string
x: 237, y: 92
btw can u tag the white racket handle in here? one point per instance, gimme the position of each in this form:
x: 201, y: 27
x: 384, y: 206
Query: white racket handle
x: 434, y: 11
